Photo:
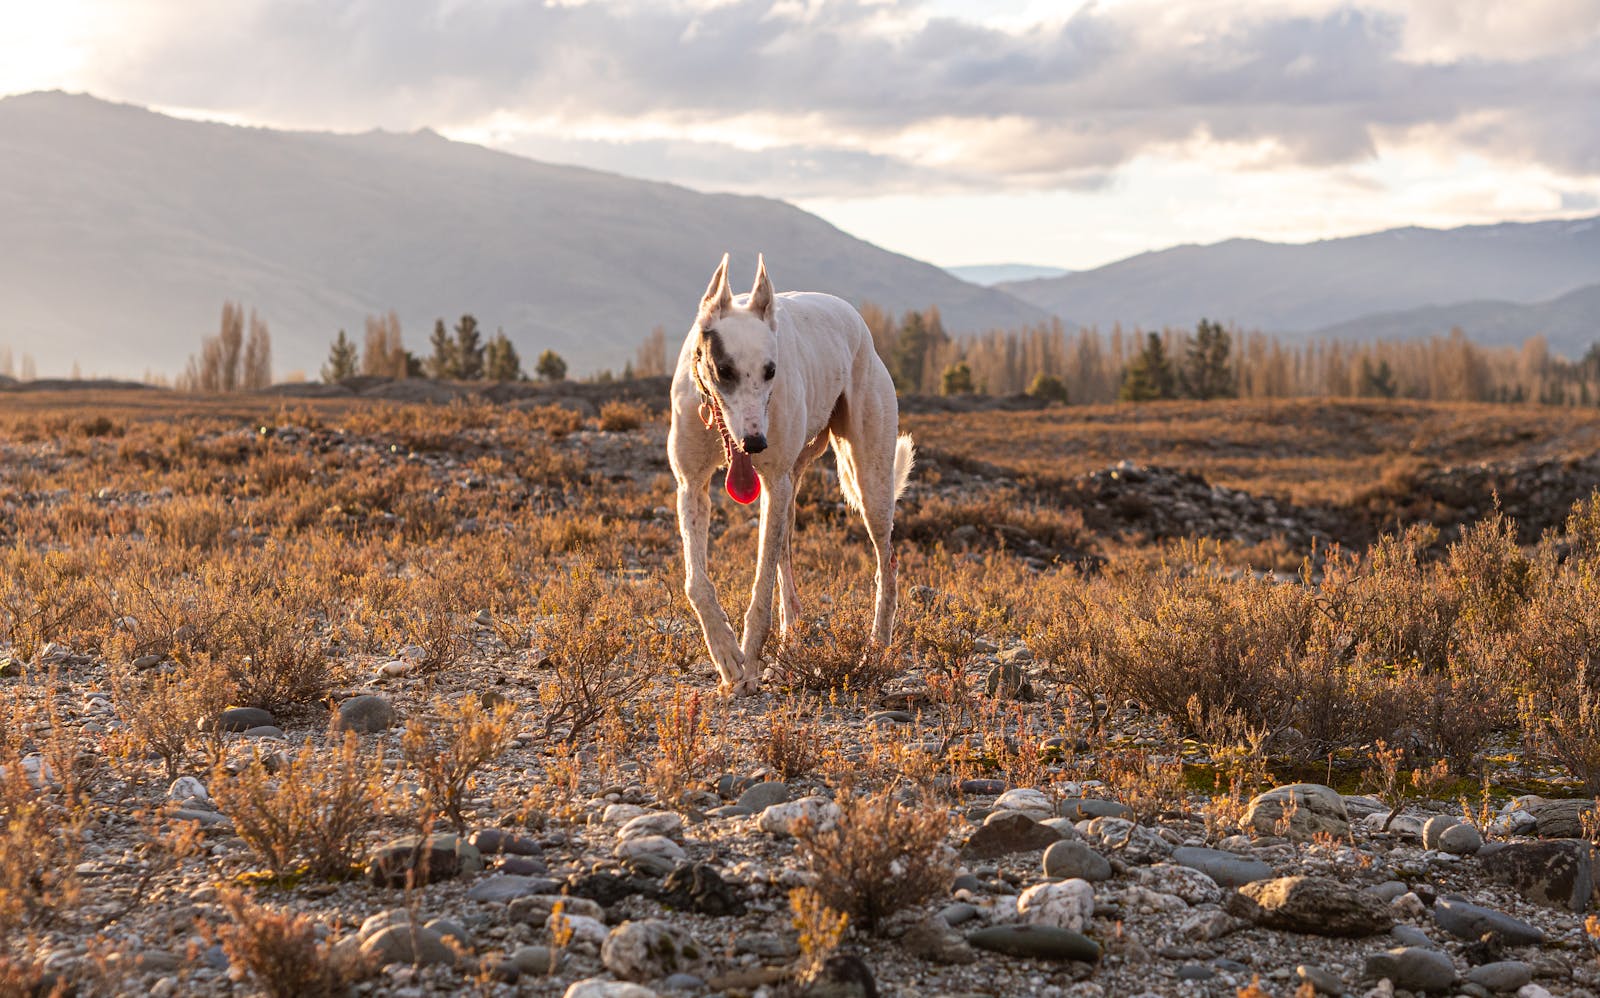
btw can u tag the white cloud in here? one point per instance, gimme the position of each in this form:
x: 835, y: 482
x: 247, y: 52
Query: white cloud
x: 1452, y: 30
x: 843, y: 99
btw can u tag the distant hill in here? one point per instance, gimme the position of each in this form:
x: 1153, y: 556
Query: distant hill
x: 1571, y: 323
x: 1285, y: 288
x: 126, y: 230
x: 989, y: 274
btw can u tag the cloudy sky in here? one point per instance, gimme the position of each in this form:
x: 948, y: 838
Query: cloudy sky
x: 959, y: 131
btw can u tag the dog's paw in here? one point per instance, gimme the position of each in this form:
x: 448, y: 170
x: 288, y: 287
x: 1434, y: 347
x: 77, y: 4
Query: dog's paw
x: 747, y: 686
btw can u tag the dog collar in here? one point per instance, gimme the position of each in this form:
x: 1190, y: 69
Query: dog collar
x: 710, y: 414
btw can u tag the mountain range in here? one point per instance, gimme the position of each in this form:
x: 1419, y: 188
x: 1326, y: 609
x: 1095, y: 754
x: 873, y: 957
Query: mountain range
x: 1399, y: 282
x: 1570, y: 323
x: 127, y: 230
x: 990, y: 274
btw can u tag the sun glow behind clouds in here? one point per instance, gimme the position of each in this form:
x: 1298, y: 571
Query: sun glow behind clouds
x: 44, y: 46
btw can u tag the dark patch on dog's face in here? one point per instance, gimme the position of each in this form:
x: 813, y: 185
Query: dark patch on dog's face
x: 722, y: 368
x: 734, y: 361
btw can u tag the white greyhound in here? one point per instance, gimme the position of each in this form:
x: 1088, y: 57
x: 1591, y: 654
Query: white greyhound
x: 764, y: 384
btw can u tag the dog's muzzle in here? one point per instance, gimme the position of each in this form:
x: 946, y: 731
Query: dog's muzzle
x: 754, y: 444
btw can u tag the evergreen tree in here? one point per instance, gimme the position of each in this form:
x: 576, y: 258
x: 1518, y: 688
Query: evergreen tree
x: 342, y: 360
x: 442, y: 363
x: 468, y: 349
x: 920, y: 333
x: 550, y: 367
x: 956, y: 379
x: 501, y: 360
x: 1207, y: 373
x: 1049, y: 388
x: 1149, y: 376
x: 1377, y: 381
x: 910, y: 350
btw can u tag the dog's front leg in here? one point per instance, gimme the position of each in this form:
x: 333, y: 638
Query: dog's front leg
x: 694, y: 520
x: 777, y: 501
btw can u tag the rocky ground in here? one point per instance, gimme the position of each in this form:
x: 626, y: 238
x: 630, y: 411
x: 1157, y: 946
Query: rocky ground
x: 1057, y: 891
x: 1057, y: 887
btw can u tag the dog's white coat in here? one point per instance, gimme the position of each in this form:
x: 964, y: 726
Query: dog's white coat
x: 828, y: 386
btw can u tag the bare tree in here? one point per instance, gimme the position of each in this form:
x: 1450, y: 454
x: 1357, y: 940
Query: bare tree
x: 651, y: 359
x: 383, y: 353
x: 230, y: 341
x: 257, y: 356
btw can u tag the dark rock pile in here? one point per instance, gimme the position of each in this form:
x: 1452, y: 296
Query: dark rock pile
x: 1162, y: 503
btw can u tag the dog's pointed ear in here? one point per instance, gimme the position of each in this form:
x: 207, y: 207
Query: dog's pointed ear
x: 761, y: 294
x: 719, y: 297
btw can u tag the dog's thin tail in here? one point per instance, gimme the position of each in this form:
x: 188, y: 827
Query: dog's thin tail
x: 905, y: 456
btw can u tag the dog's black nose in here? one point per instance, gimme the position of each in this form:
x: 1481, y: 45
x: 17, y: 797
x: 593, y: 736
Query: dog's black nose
x: 755, y: 443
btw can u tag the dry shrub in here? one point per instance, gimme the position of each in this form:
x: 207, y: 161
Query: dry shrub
x: 879, y: 858
x: 1147, y: 784
x: 447, y: 753
x: 834, y: 652
x: 689, y: 742
x: 1394, y: 784
x: 41, y: 595
x: 1583, y: 533
x: 1458, y: 711
x: 1343, y: 701
x: 1568, y: 728
x: 199, y: 522
x: 793, y: 745
x: 280, y: 951
x: 947, y: 631
x: 315, y: 812
x: 555, y: 419
x: 820, y: 930
x: 1490, y: 574
x: 160, y: 616
x: 438, y: 616
x: 40, y: 832
x: 1392, y: 611
x: 266, y: 632
x: 620, y: 416
x: 171, y: 715
x: 1184, y: 633
x: 588, y: 635
x: 1060, y: 632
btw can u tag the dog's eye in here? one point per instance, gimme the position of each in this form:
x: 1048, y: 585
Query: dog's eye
x: 725, y: 372
x: 768, y: 371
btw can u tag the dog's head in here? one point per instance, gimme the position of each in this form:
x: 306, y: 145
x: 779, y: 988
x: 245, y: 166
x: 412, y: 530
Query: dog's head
x: 736, y: 355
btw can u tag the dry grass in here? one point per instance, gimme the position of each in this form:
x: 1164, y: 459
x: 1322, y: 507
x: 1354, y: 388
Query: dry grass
x: 271, y: 555
x: 1307, y: 450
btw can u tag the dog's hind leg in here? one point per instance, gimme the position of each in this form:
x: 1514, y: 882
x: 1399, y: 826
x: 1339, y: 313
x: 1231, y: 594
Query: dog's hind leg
x: 694, y: 520
x: 878, y: 470
x: 777, y: 506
